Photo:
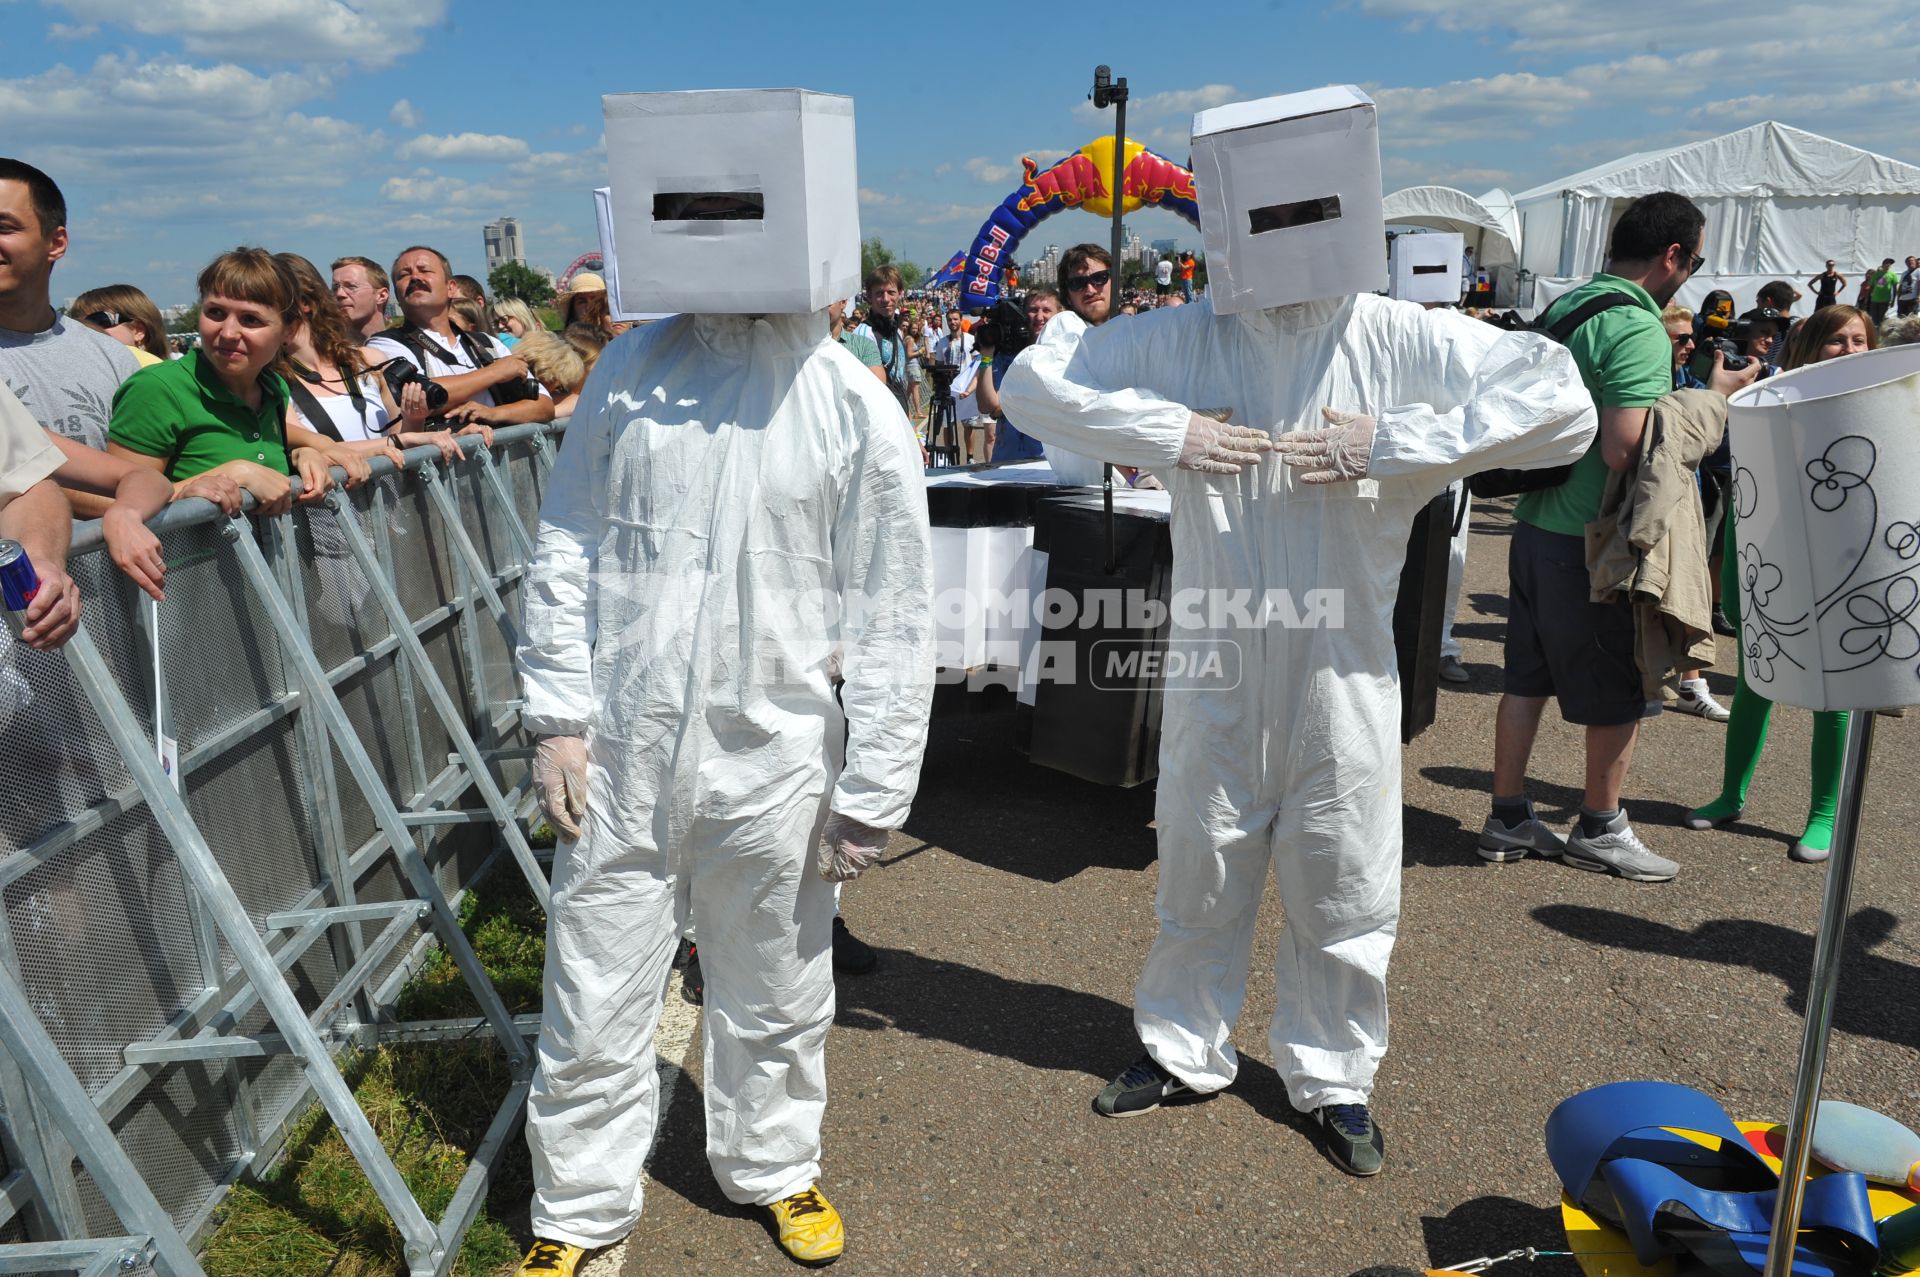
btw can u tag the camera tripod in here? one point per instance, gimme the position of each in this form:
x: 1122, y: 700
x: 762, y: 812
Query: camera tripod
x: 942, y: 421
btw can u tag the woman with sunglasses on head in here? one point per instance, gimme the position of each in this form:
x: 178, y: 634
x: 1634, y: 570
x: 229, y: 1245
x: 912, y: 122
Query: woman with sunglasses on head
x: 127, y: 315
x: 1832, y: 331
x: 335, y: 392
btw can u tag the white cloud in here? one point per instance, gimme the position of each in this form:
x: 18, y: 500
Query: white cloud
x: 874, y: 198
x: 986, y: 170
x: 370, y: 32
x: 462, y: 146
x: 1156, y: 107
x: 430, y: 188
x: 943, y: 214
x: 404, y: 114
x: 67, y: 31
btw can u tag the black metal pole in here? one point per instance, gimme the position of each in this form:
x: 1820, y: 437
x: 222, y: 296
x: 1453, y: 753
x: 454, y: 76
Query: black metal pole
x: 1823, y: 984
x: 1118, y: 95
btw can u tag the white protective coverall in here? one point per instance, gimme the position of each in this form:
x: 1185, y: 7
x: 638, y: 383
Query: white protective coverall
x: 720, y: 471
x: 1297, y: 766
x: 1064, y: 330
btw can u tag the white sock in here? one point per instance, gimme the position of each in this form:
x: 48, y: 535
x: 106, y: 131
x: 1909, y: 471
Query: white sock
x: 1694, y: 687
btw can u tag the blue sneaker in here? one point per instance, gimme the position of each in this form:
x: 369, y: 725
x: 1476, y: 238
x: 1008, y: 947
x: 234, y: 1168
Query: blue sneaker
x: 1140, y: 1089
x: 1351, y: 1138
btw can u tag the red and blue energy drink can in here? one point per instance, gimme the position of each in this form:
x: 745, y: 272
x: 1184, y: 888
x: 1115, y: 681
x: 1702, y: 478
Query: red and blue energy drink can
x: 18, y: 581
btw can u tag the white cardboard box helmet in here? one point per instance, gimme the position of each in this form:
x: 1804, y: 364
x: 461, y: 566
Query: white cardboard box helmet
x: 1290, y: 199
x: 1425, y: 268
x: 1827, y: 488
x: 786, y: 159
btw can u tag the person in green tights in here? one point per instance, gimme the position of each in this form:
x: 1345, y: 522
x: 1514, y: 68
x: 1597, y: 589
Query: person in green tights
x: 1831, y: 332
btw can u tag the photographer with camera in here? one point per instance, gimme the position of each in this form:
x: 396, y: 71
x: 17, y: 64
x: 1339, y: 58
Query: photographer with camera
x: 1000, y: 335
x: 484, y: 384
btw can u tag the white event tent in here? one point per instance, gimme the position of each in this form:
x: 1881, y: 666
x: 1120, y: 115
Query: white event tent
x: 1779, y: 202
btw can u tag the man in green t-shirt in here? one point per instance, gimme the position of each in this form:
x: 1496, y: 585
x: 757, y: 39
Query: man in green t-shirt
x: 1559, y: 643
x: 1880, y: 288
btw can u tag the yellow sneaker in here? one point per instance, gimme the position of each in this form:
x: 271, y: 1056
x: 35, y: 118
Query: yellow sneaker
x: 810, y: 1230
x: 550, y: 1259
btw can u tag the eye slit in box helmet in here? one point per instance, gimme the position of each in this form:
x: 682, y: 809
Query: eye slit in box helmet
x: 709, y: 206
x: 1275, y: 217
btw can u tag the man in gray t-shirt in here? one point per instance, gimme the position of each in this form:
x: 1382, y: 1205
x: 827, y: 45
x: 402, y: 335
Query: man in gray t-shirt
x: 66, y: 374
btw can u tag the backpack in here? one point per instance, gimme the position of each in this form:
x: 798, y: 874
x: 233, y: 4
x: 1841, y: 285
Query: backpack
x: 1507, y: 483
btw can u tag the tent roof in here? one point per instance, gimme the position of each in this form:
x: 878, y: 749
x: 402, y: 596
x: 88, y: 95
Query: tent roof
x: 1768, y: 158
x: 1444, y: 208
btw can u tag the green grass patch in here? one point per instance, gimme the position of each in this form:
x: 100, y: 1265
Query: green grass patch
x: 315, y: 1213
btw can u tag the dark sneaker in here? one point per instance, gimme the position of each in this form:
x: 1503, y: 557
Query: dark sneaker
x: 1722, y: 625
x: 1141, y: 1089
x: 851, y: 954
x: 1618, y: 851
x: 1501, y: 842
x: 1351, y: 1138
x: 1452, y: 671
x: 693, y: 985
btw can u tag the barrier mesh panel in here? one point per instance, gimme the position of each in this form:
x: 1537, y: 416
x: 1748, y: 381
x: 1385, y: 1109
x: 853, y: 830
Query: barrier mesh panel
x: 220, y: 652
x: 181, y: 1136
x: 342, y: 618
x: 101, y: 935
x: 101, y: 927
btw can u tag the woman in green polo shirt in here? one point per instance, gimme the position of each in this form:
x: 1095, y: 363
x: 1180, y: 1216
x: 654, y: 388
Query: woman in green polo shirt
x: 220, y: 408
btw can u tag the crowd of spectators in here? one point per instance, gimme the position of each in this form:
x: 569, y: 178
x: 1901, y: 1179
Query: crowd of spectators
x: 289, y: 379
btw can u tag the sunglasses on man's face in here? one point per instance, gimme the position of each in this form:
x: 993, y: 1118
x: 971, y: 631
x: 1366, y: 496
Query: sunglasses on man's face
x: 1098, y: 279
x: 106, y: 319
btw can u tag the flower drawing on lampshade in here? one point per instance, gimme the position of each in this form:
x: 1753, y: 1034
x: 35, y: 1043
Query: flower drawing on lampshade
x: 1883, y: 624
x: 1837, y: 472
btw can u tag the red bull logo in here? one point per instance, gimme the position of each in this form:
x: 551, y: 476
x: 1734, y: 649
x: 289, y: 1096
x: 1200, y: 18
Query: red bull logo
x: 1069, y: 183
x: 1150, y: 178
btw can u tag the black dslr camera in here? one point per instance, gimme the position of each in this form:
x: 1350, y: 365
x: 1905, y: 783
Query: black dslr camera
x: 400, y: 373
x: 1003, y: 330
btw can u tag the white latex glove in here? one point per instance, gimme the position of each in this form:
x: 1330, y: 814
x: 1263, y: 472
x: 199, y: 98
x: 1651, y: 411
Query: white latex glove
x: 1340, y: 452
x: 849, y: 848
x: 1144, y: 482
x: 560, y: 777
x: 1213, y: 447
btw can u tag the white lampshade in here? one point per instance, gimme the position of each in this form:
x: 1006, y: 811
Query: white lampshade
x: 1827, y: 485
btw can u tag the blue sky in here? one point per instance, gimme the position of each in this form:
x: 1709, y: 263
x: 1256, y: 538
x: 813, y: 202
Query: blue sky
x: 181, y: 127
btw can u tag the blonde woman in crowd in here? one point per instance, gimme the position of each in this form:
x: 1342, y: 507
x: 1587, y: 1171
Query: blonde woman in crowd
x: 514, y: 319
x: 558, y: 365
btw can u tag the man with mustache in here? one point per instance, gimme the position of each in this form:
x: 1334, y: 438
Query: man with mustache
x: 486, y: 384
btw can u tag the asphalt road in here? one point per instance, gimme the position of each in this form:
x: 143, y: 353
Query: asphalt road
x: 1017, y: 906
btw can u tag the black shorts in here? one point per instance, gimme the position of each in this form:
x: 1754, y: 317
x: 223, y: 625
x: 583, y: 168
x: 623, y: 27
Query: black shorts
x: 1559, y: 642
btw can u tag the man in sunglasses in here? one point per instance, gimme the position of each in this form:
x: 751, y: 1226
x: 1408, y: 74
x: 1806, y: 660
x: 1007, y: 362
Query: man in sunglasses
x: 1559, y: 643
x: 1086, y: 283
x: 1086, y: 275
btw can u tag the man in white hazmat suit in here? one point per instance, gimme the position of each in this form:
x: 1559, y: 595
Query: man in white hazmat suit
x: 1374, y: 407
x: 736, y: 514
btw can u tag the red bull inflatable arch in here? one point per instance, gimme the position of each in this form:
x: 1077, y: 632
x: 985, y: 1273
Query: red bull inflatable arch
x: 1079, y: 181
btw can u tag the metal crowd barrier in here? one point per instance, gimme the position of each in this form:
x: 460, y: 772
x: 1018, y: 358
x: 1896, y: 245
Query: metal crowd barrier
x: 231, y: 825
